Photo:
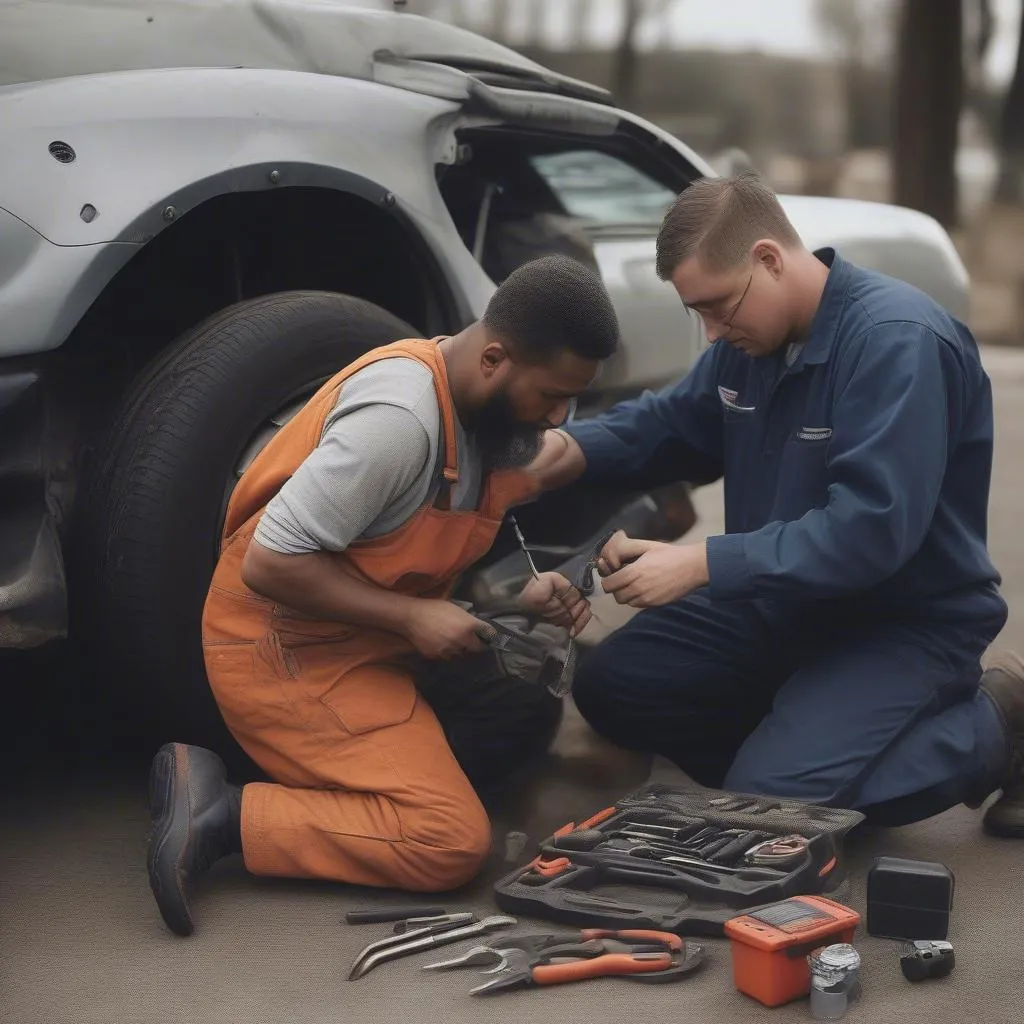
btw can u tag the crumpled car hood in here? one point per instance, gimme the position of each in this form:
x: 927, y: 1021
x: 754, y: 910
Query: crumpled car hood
x: 43, y: 39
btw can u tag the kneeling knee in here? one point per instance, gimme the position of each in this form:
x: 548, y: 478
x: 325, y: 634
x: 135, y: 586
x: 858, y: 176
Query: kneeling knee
x: 446, y: 850
x: 542, y: 715
x: 592, y: 690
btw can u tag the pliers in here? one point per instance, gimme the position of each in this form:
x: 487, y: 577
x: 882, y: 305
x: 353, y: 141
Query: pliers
x: 528, y: 960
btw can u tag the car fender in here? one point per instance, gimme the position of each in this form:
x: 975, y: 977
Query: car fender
x: 95, y: 167
x: 894, y: 240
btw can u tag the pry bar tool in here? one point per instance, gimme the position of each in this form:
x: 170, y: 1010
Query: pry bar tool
x: 411, y: 924
x: 386, y: 914
x: 400, y: 937
x: 414, y: 943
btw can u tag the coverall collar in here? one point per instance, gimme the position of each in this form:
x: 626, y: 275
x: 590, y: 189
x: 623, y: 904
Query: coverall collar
x: 825, y: 324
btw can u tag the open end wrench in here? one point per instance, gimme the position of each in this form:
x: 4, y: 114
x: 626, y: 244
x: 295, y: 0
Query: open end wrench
x: 750, y: 874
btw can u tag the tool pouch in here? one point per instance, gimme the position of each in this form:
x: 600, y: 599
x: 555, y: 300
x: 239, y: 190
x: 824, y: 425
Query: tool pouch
x: 537, y: 652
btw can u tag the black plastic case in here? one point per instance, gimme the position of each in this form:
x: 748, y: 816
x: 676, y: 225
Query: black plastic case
x: 604, y: 888
x: 909, y: 899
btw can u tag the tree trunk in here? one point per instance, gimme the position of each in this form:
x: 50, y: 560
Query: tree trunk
x: 625, y: 66
x: 929, y: 93
x: 986, y: 30
x: 1010, y: 187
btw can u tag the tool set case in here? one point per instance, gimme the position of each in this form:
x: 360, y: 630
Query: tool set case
x: 680, y: 860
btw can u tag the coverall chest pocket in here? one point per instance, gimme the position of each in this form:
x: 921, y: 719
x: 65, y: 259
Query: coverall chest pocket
x: 803, y: 474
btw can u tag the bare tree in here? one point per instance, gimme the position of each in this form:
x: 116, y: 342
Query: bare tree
x: 985, y: 30
x: 624, y: 67
x: 929, y: 93
x: 859, y: 30
x: 1010, y: 187
x: 979, y: 31
x: 860, y: 34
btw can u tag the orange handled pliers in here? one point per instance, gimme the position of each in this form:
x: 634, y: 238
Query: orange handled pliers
x: 592, y: 953
x: 560, y: 966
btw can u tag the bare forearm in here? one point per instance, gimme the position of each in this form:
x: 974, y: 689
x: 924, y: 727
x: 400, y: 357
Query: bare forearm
x: 560, y: 461
x: 316, y: 586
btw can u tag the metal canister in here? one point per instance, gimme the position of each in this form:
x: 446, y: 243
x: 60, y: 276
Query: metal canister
x: 835, y: 980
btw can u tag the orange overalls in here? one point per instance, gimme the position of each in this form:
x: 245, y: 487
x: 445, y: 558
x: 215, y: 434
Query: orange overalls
x: 367, y: 790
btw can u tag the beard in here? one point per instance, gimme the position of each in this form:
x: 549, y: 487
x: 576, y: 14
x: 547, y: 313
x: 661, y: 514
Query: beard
x: 503, y: 441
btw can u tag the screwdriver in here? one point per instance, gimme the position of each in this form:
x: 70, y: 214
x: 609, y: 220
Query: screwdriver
x: 522, y: 544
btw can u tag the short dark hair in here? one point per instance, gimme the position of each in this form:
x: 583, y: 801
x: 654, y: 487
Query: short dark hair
x: 552, y: 304
x: 718, y: 220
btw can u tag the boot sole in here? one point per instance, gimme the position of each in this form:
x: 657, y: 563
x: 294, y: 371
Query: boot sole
x: 171, y: 816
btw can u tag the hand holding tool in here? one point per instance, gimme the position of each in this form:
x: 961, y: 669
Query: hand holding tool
x: 585, y: 578
x: 522, y: 546
x: 561, y: 685
x: 422, y: 938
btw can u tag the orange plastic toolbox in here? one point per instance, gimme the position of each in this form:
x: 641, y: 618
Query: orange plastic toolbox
x: 770, y: 945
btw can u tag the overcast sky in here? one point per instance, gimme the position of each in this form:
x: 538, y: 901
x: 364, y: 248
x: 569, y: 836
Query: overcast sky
x: 779, y: 26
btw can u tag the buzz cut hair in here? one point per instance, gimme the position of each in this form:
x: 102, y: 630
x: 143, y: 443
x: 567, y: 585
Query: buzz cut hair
x: 550, y: 305
x: 718, y: 220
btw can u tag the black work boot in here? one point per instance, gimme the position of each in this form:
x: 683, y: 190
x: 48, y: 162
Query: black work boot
x: 196, y: 821
x: 1004, y: 682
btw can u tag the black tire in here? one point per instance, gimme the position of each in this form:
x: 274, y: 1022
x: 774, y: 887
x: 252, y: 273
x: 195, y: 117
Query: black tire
x: 155, y: 506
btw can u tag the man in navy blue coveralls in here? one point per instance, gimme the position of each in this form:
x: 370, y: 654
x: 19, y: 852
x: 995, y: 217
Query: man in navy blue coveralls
x: 826, y: 647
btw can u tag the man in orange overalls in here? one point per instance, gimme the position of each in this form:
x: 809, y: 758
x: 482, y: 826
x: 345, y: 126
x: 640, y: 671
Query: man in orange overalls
x: 327, y: 618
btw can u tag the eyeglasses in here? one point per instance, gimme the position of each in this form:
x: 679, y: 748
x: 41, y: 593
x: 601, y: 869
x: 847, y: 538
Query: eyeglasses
x: 726, y: 319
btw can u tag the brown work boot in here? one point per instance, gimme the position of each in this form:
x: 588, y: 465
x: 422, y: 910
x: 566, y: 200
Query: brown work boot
x: 196, y: 821
x: 1003, y: 680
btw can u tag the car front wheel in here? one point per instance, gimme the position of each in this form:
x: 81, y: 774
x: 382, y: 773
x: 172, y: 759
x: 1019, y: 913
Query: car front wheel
x: 155, y: 507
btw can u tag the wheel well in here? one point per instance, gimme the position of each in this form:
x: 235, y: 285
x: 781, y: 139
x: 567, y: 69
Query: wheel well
x: 233, y: 247
x: 242, y: 245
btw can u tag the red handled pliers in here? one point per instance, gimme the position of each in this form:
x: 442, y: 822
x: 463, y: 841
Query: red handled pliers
x: 528, y: 960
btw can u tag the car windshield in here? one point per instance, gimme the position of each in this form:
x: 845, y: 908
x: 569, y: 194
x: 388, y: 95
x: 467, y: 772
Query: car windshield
x: 603, y: 190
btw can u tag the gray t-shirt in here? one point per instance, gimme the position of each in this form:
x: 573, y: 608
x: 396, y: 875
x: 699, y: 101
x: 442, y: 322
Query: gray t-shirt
x: 380, y: 458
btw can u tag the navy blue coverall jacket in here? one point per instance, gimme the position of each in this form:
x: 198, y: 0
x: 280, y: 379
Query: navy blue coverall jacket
x: 856, y: 497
